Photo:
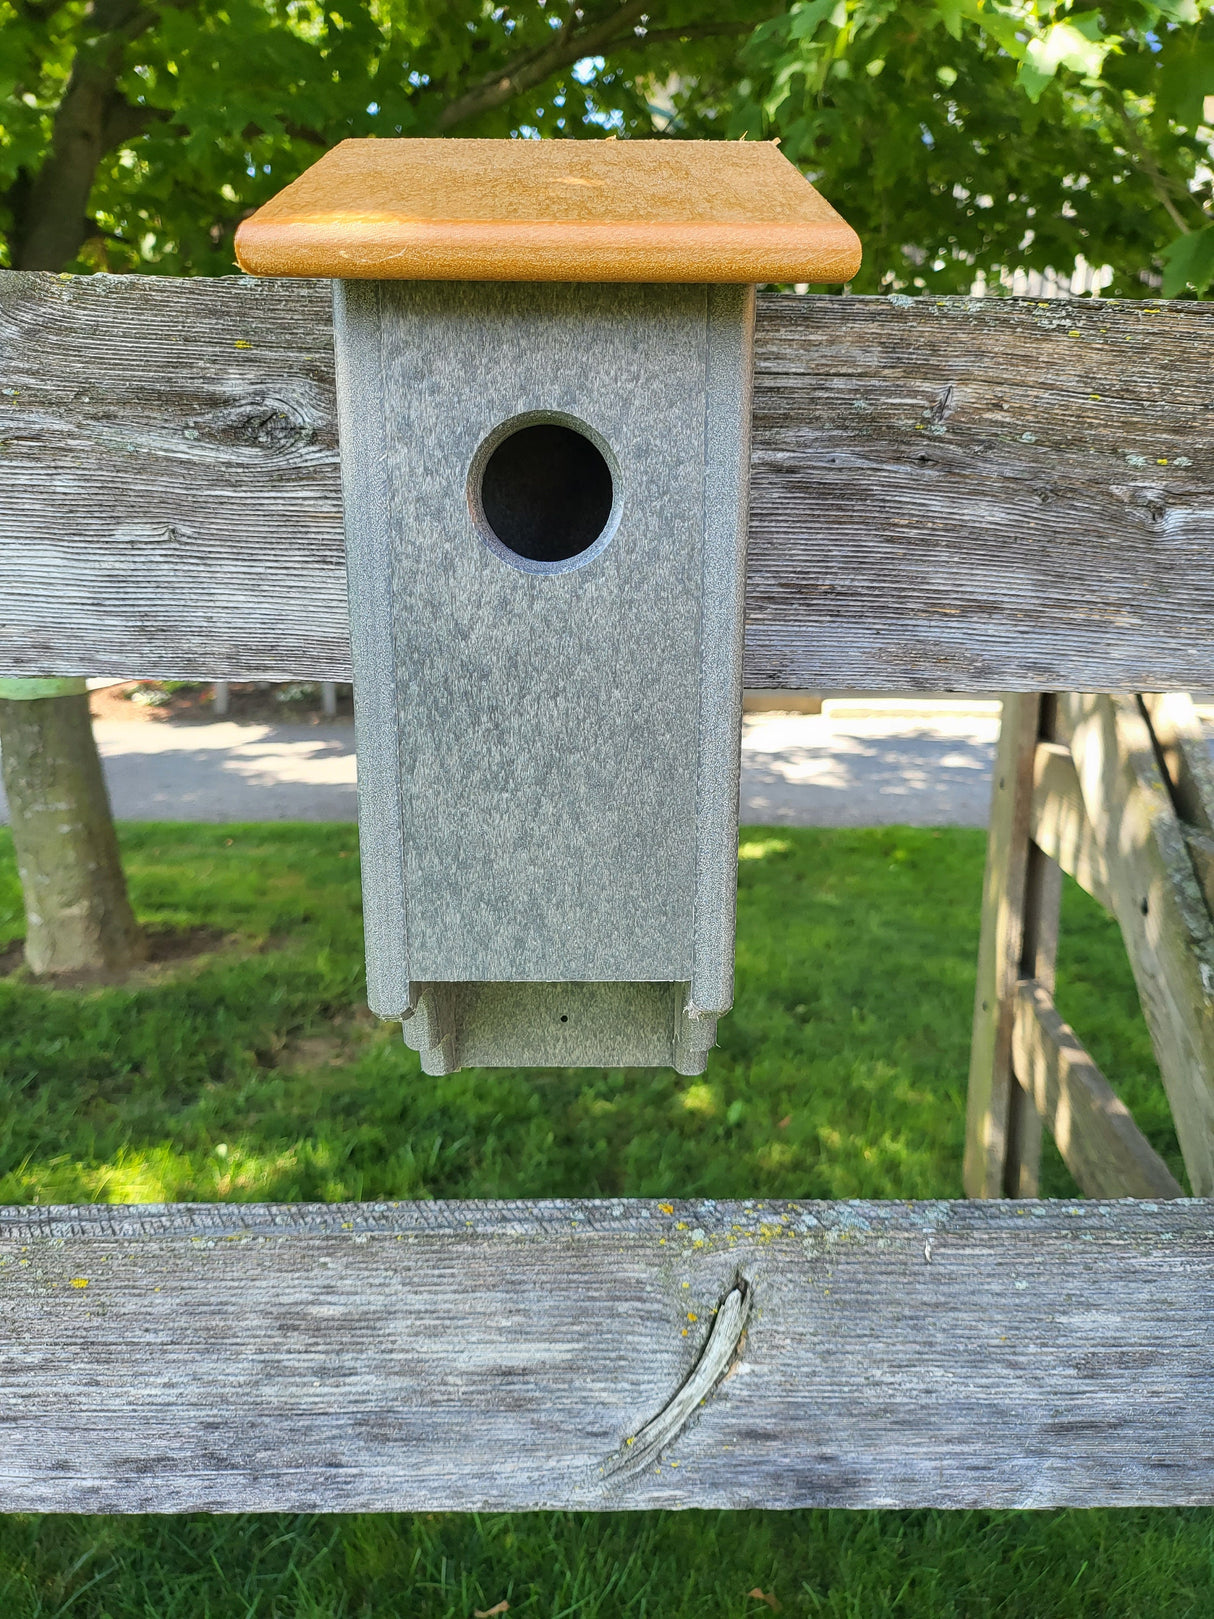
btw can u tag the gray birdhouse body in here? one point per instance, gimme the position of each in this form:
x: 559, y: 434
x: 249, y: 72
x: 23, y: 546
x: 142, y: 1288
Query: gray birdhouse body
x: 543, y: 371
x: 547, y: 743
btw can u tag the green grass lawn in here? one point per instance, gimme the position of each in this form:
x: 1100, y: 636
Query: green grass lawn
x: 254, y: 1073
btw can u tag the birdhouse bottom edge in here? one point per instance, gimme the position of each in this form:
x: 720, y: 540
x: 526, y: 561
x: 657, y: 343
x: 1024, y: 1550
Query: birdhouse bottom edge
x: 548, y: 1025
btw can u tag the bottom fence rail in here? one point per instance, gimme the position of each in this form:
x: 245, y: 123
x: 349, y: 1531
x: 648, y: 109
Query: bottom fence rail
x: 606, y: 1355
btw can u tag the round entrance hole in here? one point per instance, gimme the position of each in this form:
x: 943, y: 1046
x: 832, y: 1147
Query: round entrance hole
x: 545, y: 494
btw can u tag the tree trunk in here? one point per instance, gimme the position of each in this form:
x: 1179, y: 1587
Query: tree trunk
x: 78, y: 916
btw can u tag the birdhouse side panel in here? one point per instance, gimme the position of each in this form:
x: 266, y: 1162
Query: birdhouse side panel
x: 730, y: 371
x: 364, y: 434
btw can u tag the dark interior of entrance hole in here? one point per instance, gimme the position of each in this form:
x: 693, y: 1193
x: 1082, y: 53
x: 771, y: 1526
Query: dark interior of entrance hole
x: 546, y: 492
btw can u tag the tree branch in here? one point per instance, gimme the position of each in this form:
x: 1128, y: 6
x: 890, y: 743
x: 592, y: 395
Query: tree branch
x: 1152, y: 171
x: 528, y: 69
x: 294, y: 132
x: 37, y: 10
x: 125, y: 119
x: 689, y: 31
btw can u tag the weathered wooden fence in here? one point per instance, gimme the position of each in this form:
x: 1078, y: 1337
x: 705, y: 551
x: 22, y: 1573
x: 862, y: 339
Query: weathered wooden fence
x: 1119, y: 793
x: 961, y: 495
x: 968, y: 495
x: 458, y: 1356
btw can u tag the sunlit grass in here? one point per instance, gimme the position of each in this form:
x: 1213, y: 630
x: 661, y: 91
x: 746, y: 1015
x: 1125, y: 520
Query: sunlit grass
x: 256, y: 1074
x: 759, y: 848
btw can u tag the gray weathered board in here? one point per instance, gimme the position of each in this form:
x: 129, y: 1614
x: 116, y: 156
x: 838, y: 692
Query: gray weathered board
x: 500, y: 1356
x: 967, y: 495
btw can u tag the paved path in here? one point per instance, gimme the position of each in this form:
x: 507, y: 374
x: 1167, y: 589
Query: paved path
x: 842, y: 768
x: 932, y: 769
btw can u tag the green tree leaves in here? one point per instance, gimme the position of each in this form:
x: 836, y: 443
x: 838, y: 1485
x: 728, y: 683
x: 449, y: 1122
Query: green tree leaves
x: 967, y: 136
x: 1077, y: 44
x: 1189, y: 262
x: 960, y: 137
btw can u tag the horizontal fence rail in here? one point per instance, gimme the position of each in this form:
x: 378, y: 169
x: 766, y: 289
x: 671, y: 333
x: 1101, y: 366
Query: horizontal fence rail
x: 454, y: 1356
x: 958, y: 494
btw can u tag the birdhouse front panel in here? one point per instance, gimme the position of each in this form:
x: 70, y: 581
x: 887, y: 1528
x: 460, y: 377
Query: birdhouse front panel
x: 545, y: 522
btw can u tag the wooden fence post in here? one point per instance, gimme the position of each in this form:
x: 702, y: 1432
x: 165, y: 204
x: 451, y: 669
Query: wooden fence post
x: 1020, y: 900
x: 1157, y: 899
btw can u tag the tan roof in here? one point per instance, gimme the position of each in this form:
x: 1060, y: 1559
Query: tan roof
x: 551, y: 210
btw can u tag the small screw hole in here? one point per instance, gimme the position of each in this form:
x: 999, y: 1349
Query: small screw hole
x: 564, y: 1019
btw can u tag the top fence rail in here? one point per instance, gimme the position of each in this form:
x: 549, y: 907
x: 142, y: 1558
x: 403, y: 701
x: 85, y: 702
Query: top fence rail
x: 957, y: 494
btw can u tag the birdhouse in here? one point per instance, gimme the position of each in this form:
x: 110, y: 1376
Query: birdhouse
x: 543, y: 370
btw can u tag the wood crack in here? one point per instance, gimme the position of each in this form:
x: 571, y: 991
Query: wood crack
x: 716, y: 1358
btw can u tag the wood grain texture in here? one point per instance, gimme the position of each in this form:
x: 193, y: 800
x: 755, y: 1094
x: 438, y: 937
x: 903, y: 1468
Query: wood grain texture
x: 496, y: 1356
x: 980, y: 495
x: 1095, y: 1132
x: 1184, y: 759
x: 959, y: 495
x: 993, y: 1133
x: 1038, y: 960
x: 1201, y: 852
x: 505, y: 210
x: 1158, y: 903
x: 1059, y: 824
x: 169, y: 486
